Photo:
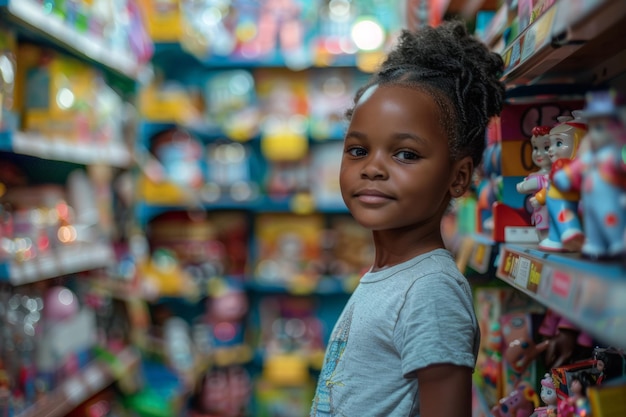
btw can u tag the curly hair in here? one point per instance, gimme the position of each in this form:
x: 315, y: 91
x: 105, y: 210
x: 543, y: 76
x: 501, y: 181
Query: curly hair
x: 457, y: 71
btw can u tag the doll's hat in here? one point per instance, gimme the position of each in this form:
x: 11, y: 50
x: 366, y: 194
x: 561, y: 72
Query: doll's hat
x: 603, y: 103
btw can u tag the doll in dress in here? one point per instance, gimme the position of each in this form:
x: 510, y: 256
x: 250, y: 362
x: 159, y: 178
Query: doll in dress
x: 549, y: 398
x: 565, y: 233
x: 538, y: 180
x: 601, y: 169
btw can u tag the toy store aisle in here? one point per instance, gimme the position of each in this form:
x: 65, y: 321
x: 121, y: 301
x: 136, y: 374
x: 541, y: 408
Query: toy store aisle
x: 173, y: 242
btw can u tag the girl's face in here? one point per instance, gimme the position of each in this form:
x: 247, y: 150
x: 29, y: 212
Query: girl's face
x: 396, y: 168
x: 541, y: 145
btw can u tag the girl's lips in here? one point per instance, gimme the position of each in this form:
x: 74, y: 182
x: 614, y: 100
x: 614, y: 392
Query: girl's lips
x: 372, y: 196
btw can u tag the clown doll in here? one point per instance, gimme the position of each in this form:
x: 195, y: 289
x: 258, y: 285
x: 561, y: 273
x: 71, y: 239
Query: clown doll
x: 537, y: 180
x: 601, y: 169
x: 565, y: 233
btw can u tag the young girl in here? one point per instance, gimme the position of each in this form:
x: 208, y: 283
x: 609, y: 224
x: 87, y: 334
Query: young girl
x: 406, y: 342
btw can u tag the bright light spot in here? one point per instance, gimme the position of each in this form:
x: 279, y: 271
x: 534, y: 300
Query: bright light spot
x: 367, y: 34
x: 65, y: 98
x: 66, y: 297
x: 66, y: 234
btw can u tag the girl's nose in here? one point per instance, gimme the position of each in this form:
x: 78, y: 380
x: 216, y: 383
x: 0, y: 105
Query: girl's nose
x: 374, y: 168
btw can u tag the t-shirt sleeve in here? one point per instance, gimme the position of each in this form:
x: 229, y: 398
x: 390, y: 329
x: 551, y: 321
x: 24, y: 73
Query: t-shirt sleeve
x: 436, y: 324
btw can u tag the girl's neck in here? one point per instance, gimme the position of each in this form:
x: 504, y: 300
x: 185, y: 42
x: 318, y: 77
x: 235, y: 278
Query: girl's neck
x: 396, y: 246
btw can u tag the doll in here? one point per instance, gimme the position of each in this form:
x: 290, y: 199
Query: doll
x: 537, y: 180
x: 565, y: 232
x: 601, y: 169
x: 576, y: 404
x: 548, y: 396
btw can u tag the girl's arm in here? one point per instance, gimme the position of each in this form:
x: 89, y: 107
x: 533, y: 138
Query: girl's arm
x: 445, y: 391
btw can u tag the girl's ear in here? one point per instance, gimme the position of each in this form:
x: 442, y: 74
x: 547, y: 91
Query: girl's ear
x: 461, y: 176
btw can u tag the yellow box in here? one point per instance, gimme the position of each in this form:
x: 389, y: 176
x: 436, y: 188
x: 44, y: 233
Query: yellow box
x: 163, y: 19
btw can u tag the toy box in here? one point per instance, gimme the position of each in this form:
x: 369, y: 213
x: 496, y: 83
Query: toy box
x: 58, y: 97
x: 287, y: 247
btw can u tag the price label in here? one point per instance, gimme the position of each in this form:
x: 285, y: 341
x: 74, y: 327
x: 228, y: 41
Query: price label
x: 561, y: 284
x: 523, y: 272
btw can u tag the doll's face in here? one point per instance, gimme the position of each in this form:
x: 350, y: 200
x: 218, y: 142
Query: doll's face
x: 600, y: 365
x: 576, y: 387
x: 561, y: 146
x: 548, y: 395
x: 541, y: 146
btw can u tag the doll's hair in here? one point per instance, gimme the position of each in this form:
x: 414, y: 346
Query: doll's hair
x: 457, y: 71
x: 541, y: 130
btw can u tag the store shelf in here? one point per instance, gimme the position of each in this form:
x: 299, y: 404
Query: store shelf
x: 590, y: 294
x: 144, y: 212
x: 573, y: 41
x: 62, y: 261
x: 31, y: 15
x: 78, y: 388
x: 58, y: 149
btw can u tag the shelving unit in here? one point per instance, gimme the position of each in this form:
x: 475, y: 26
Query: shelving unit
x: 567, y: 44
x: 66, y: 260
x: 573, y: 47
x: 94, y: 378
x: 47, y: 161
x: 33, y: 18
x: 32, y: 144
x: 590, y: 294
x: 573, y: 42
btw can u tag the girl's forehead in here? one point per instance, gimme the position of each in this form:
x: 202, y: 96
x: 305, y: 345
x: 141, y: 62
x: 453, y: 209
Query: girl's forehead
x: 393, y: 92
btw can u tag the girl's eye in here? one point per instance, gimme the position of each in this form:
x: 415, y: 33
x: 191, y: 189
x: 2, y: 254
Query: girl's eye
x: 559, y: 144
x: 356, y: 151
x: 406, y: 155
x: 535, y: 148
x: 547, y: 148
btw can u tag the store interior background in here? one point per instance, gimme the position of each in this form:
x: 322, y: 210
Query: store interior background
x: 172, y: 238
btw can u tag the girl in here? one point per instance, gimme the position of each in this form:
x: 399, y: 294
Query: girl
x: 406, y: 342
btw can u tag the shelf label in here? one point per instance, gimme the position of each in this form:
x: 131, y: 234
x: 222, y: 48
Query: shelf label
x: 561, y: 284
x: 523, y: 272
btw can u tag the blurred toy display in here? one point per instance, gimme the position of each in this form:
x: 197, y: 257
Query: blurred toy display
x: 8, y: 44
x: 287, y: 247
x: 231, y: 103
